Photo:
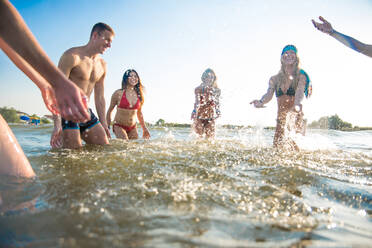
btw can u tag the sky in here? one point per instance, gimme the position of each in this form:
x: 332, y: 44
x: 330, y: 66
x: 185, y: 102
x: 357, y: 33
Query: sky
x: 170, y: 43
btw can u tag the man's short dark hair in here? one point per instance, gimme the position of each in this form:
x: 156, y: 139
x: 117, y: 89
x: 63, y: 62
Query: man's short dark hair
x: 100, y: 27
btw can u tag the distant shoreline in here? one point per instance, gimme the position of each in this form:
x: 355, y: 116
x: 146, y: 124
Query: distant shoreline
x: 230, y: 126
x: 334, y: 122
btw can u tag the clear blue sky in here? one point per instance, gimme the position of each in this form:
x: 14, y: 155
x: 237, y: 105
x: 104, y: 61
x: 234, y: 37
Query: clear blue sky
x: 170, y: 43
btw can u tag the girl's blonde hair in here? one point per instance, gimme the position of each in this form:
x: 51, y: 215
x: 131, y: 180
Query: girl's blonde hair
x: 205, y: 75
x: 296, y: 73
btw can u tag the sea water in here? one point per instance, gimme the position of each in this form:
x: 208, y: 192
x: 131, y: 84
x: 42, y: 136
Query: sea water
x: 177, y: 190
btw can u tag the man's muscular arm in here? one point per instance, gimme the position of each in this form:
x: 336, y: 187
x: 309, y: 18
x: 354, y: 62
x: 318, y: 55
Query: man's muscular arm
x: 100, y: 102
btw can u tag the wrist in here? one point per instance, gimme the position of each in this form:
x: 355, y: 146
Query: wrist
x: 103, y: 123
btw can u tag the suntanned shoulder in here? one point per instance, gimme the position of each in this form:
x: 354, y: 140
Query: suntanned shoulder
x: 273, y: 79
x: 118, y: 92
x: 103, y: 64
x: 102, y: 61
x: 70, y: 56
x: 116, y: 96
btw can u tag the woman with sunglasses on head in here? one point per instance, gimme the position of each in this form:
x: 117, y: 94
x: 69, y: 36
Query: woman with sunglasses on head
x: 207, y: 105
x: 129, y: 101
x: 289, y: 86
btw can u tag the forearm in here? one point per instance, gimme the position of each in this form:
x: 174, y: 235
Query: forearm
x: 269, y: 93
x: 17, y: 35
x: 352, y: 43
x: 108, y: 116
x: 299, y: 96
x: 23, y: 65
x: 101, y: 108
x: 267, y: 97
x: 196, y: 104
x: 141, y: 120
x: 57, y: 121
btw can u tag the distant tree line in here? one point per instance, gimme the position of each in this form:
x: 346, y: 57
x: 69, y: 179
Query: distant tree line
x: 327, y: 122
x: 162, y: 123
x: 11, y: 116
x: 331, y: 122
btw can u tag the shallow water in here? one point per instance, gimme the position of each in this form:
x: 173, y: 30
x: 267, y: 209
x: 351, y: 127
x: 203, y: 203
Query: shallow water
x: 179, y: 191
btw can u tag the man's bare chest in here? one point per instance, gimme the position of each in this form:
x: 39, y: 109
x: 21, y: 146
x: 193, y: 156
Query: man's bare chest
x: 88, y: 70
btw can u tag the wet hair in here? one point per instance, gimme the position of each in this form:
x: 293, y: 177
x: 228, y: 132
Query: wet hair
x: 205, y: 74
x: 138, y: 87
x: 101, y: 27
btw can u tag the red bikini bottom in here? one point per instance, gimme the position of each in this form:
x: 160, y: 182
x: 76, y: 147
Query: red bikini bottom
x: 126, y: 128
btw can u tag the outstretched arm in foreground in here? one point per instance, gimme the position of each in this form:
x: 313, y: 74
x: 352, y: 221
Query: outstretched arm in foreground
x: 348, y: 41
x: 46, y: 89
x: 15, y: 33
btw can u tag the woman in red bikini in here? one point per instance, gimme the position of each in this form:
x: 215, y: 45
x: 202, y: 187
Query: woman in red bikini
x: 129, y: 100
x: 207, y: 105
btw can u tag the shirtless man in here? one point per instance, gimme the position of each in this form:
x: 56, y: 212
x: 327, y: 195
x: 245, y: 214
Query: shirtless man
x: 84, y: 66
x: 348, y: 41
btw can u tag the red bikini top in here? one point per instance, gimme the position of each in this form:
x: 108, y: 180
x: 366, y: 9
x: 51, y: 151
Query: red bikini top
x: 124, y: 103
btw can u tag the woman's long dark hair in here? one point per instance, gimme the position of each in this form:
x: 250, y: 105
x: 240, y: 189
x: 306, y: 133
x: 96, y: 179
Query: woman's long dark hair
x: 138, y: 87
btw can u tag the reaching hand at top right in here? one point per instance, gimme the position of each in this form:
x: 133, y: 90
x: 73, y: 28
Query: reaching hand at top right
x: 325, y: 27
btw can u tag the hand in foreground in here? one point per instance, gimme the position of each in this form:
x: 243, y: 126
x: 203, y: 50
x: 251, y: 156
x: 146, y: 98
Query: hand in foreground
x: 72, y: 102
x: 325, y: 26
x: 49, y: 98
x: 257, y: 104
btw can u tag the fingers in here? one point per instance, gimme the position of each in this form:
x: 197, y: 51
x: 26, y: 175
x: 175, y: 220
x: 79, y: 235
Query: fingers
x: 66, y: 113
x: 81, y: 111
x: 52, y: 107
x: 56, y: 143
x: 50, y: 100
x: 314, y: 23
x: 73, y: 105
x: 74, y: 111
x: 323, y: 20
x: 56, y: 140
